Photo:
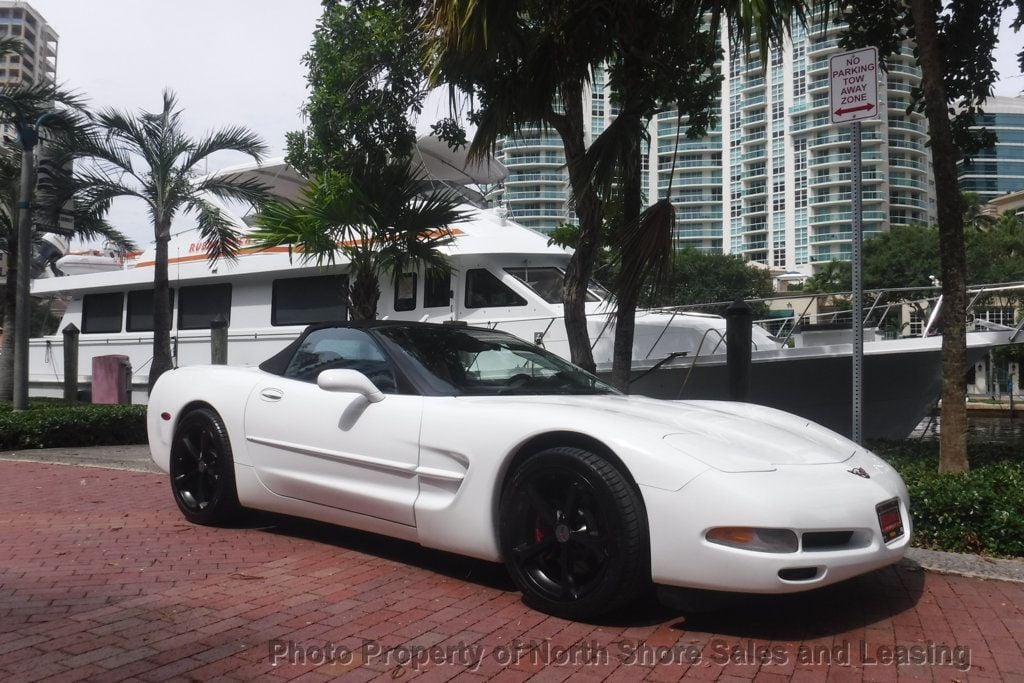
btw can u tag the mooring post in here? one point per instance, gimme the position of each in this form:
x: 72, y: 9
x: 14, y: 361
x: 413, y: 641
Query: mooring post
x: 739, y: 322
x: 219, y: 340
x: 71, y: 362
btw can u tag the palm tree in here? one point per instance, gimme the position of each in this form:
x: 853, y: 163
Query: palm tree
x: 26, y: 102
x: 380, y: 220
x: 149, y: 156
x: 527, y: 64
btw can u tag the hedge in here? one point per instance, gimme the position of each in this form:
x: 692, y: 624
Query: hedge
x: 981, y: 511
x: 54, y: 424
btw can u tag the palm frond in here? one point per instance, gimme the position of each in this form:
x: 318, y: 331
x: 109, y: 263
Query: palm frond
x: 646, y: 248
x: 95, y: 227
x: 220, y: 237
x: 233, y: 139
x: 234, y: 188
x: 281, y: 223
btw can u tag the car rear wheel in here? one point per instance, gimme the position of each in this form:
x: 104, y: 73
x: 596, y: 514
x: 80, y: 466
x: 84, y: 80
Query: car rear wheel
x: 573, y: 534
x: 203, y: 470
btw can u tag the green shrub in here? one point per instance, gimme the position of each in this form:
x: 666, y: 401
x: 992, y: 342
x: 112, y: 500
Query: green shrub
x: 52, y: 423
x: 981, y: 511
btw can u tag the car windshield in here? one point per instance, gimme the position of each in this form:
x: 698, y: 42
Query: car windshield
x: 487, y: 363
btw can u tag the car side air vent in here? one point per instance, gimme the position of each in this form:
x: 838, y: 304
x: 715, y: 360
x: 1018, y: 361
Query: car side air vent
x: 798, y: 574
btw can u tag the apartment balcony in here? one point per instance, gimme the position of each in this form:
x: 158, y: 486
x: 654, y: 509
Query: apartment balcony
x: 532, y: 160
x: 753, y: 101
x: 755, y: 191
x: 555, y: 212
x: 695, y: 199
x: 817, y: 64
x: 710, y: 181
x: 709, y: 163
x: 826, y: 256
x: 847, y: 197
x: 903, y: 143
x: 908, y: 163
x: 866, y: 176
x: 534, y: 178
x: 755, y: 173
x: 831, y: 237
x: 705, y: 232
x: 753, y: 119
x: 689, y: 215
x: 669, y: 146
x: 520, y: 143
x: 537, y: 194
x: 822, y: 45
x: 843, y: 216
x: 904, y: 69
x: 919, y: 128
x: 867, y: 138
x: 844, y: 159
x: 755, y: 83
x: 896, y: 201
x: 904, y: 181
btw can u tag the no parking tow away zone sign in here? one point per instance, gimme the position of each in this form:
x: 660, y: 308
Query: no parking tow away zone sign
x: 853, y: 85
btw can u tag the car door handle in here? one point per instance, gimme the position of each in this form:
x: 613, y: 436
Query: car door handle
x: 271, y: 394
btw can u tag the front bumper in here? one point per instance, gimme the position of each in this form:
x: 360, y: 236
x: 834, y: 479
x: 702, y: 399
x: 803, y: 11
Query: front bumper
x: 804, y: 499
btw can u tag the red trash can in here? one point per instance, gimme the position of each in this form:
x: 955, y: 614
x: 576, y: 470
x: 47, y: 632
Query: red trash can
x: 111, y: 379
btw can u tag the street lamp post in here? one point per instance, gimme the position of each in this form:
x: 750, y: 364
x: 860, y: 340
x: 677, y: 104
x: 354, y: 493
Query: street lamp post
x: 28, y: 135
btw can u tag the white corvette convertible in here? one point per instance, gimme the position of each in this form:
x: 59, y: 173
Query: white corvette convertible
x: 476, y: 442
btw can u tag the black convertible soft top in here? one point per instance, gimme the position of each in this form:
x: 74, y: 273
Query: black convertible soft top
x: 278, y: 363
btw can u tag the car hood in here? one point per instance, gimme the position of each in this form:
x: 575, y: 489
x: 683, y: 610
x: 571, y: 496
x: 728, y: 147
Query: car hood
x: 729, y: 436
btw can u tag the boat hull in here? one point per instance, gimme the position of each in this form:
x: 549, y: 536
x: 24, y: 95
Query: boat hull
x: 899, y: 388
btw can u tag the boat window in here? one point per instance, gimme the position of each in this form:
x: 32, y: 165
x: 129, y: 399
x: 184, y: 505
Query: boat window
x: 140, y: 310
x: 334, y: 348
x: 437, y: 289
x: 405, y: 292
x: 307, y: 300
x: 484, y: 290
x: 547, y: 282
x: 102, y: 312
x: 199, y: 305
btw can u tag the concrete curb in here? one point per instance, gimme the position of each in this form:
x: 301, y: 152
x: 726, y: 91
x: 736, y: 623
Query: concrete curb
x: 974, y: 566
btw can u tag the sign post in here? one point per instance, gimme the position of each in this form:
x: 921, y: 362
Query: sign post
x: 853, y: 96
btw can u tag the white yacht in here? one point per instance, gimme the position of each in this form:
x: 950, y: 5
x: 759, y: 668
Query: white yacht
x: 503, y: 276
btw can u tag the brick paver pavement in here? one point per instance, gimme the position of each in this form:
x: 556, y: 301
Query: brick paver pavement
x: 101, y: 579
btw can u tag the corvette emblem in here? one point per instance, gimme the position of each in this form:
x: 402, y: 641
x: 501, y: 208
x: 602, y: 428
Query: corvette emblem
x: 860, y: 472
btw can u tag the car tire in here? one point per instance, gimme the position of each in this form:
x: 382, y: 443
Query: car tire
x: 202, y: 470
x: 573, y: 534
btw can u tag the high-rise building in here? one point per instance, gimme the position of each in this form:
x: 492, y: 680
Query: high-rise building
x: 38, y: 61
x: 997, y: 170
x: 772, y: 180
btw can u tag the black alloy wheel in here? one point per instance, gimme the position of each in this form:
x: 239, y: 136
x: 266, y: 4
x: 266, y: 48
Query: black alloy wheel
x: 574, y: 534
x: 203, y: 470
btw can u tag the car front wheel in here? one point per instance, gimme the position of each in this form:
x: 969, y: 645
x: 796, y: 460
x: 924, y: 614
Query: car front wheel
x: 203, y: 471
x: 573, y: 534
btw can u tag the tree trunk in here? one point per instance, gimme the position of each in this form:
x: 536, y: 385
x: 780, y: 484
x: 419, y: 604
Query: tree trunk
x: 7, y: 352
x: 363, y: 294
x: 953, y: 443
x: 627, y: 298
x: 162, y: 361
x: 589, y: 213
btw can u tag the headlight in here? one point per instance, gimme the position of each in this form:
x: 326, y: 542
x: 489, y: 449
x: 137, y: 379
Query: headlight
x: 751, y: 538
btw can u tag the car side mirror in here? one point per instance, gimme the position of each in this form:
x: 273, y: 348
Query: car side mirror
x: 351, y: 381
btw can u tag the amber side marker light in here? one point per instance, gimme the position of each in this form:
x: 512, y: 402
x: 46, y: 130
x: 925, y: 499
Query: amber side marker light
x: 165, y: 416
x: 752, y: 538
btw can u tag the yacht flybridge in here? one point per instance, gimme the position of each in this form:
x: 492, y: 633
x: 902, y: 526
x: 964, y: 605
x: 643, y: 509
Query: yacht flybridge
x: 503, y: 276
